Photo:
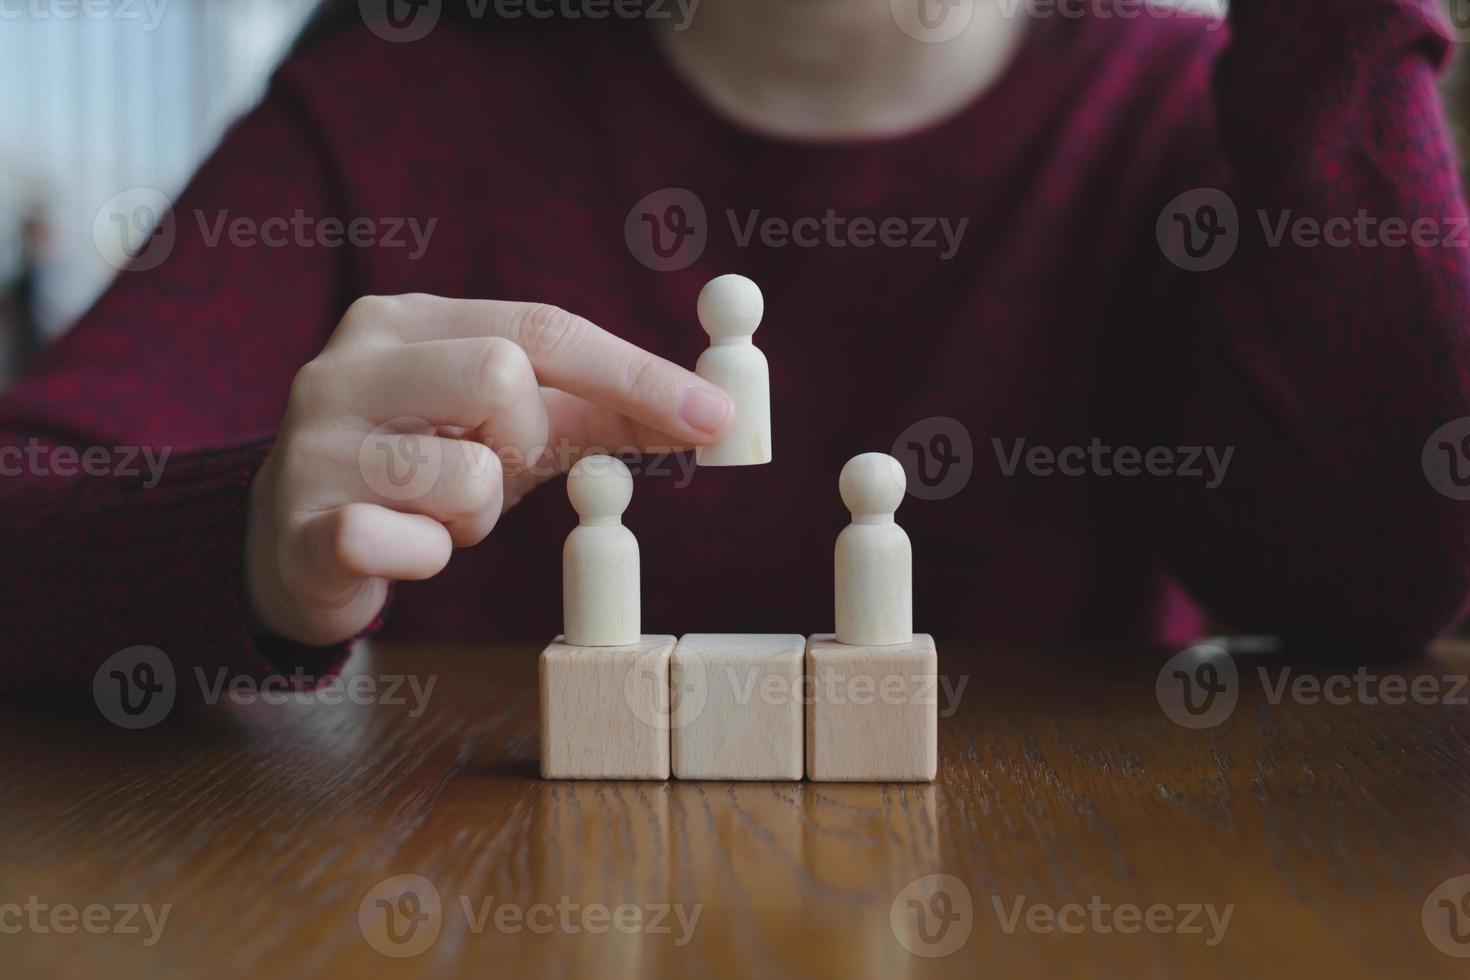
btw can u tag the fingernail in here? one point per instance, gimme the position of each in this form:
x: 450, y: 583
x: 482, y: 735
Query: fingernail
x: 704, y: 409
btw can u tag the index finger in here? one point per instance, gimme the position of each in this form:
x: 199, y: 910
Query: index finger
x: 567, y: 352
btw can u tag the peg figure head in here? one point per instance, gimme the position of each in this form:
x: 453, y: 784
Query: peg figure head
x: 730, y: 307
x: 872, y: 484
x: 600, y: 486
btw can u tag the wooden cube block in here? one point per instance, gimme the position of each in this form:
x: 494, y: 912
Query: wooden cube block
x: 873, y: 711
x: 605, y: 710
x: 737, y: 706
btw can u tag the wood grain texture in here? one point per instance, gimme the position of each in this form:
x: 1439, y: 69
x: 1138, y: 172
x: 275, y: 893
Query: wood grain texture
x: 267, y: 827
x: 873, y: 712
x: 738, y: 709
x: 605, y: 710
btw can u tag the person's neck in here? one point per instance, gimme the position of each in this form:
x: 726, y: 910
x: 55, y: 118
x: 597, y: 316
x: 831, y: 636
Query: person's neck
x: 831, y: 69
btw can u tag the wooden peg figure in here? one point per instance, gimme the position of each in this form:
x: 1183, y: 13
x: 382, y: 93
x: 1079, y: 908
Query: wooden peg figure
x: 730, y: 310
x: 600, y: 581
x: 873, y: 560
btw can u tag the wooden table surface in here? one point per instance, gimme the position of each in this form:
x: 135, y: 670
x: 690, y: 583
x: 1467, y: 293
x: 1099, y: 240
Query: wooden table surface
x: 266, y: 829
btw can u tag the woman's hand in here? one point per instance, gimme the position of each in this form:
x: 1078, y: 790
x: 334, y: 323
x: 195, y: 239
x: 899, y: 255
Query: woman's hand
x: 421, y: 421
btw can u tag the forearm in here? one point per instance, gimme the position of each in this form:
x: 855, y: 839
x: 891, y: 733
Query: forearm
x: 108, y: 547
x: 126, y: 456
x: 1327, y: 364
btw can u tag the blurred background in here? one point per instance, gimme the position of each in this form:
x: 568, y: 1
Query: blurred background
x: 94, y: 102
x: 135, y: 95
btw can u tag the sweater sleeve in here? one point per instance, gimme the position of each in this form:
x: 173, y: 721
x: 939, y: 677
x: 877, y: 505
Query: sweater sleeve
x: 1325, y: 359
x: 126, y: 456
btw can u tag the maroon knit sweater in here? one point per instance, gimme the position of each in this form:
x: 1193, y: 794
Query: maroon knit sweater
x: 1058, y: 320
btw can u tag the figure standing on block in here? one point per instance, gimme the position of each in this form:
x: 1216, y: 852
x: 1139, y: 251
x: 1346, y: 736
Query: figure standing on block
x: 873, y: 561
x: 730, y: 309
x: 896, y: 735
x: 600, y: 588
